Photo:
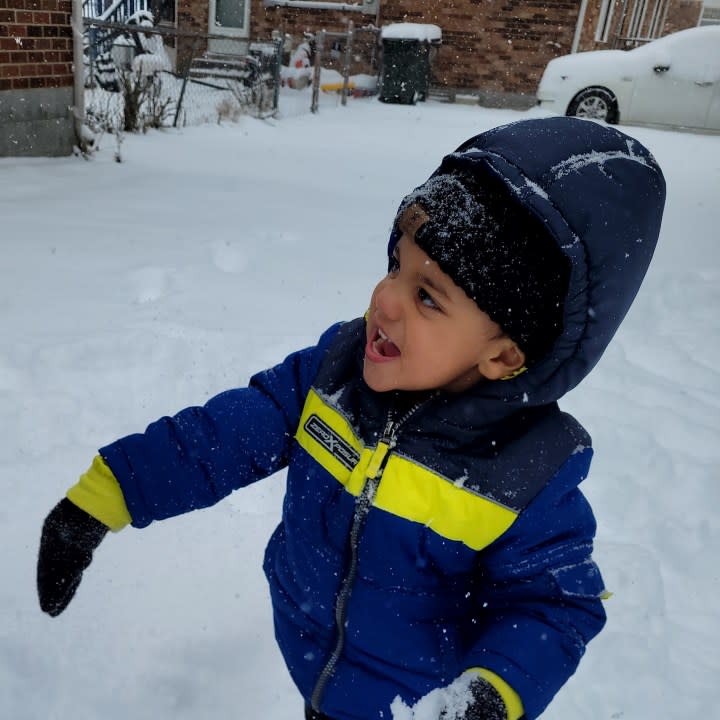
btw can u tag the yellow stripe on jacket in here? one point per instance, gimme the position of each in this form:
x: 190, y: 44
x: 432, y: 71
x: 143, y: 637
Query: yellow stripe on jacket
x: 420, y: 495
x: 407, y: 489
x: 98, y: 493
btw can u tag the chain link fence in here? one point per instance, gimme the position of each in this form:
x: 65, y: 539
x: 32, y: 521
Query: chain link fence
x: 140, y: 76
x: 344, y: 64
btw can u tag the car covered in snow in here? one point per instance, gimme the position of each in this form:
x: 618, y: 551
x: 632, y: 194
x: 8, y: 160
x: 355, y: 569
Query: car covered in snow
x: 674, y: 80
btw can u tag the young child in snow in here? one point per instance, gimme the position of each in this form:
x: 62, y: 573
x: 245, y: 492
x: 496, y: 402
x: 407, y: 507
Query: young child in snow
x: 432, y: 527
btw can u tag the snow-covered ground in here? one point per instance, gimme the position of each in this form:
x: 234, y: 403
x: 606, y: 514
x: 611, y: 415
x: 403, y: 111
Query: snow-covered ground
x: 131, y: 290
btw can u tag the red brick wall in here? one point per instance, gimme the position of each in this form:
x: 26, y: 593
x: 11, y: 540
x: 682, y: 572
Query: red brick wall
x: 493, y: 45
x: 496, y: 45
x: 295, y: 21
x: 587, y: 37
x: 488, y: 45
x: 35, y: 44
x: 683, y: 14
x: 192, y: 16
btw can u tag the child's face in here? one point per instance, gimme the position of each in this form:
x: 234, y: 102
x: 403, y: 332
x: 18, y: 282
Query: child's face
x: 424, y: 332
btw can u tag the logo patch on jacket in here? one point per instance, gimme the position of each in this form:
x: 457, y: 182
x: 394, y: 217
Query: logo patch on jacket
x: 331, y: 441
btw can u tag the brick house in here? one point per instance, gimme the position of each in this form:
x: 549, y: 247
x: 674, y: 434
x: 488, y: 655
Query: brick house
x: 36, y: 77
x: 495, y: 50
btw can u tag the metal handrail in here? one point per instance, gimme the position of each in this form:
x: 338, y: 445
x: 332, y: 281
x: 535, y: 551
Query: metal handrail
x: 120, y: 9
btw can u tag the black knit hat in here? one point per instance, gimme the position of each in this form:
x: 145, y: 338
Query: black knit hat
x: 497, y: 251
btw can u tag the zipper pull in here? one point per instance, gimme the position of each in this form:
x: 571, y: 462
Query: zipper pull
x: 389, y: 436
x: 384, y: 446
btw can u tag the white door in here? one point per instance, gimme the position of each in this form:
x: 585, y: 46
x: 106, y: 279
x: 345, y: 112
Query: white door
x: 675, y: 82
x: 230, y: 18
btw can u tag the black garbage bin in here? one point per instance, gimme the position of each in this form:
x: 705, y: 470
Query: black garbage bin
x: 408, y: 50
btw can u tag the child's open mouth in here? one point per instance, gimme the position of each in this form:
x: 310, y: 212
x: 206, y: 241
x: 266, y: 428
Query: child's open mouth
x: 380, y: 347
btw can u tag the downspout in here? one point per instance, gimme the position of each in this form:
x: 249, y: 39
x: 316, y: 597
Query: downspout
x: 579, y: 26
x: 78, y: 107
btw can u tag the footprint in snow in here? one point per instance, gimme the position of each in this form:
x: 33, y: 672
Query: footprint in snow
x: 150, y: 283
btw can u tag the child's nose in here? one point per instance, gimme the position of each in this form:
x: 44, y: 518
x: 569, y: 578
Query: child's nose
x: 388, y: 301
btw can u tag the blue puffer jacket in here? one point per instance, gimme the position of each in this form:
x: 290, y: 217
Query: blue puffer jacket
x: 422, y: 536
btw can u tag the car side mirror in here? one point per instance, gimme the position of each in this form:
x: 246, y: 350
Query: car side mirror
x: 661, y: 68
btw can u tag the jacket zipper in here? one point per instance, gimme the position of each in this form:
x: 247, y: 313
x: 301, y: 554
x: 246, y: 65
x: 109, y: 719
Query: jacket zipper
x: 364, y: 502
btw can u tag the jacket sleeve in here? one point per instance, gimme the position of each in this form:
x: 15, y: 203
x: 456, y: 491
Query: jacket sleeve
x: 541, y: 592
x: 202, y: 454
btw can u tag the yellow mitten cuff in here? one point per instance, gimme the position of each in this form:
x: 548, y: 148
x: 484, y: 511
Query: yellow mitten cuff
x: 98, y: 493
x: 513, y: 704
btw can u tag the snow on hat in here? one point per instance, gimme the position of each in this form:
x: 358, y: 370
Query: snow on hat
x: 498, y: 252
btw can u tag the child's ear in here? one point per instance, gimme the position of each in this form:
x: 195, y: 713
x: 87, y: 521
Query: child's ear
x: 504, y: 360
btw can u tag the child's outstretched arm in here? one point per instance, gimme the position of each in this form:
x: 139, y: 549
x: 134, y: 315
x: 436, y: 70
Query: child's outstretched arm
x: 180, y: 463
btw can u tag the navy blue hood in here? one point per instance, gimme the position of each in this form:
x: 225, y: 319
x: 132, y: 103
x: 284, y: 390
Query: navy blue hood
x: 600, y: 194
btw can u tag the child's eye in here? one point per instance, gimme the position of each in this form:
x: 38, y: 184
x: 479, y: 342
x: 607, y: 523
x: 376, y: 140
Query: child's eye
x: 426, y: 299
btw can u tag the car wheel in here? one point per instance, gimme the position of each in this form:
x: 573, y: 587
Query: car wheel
x: 595, y: 103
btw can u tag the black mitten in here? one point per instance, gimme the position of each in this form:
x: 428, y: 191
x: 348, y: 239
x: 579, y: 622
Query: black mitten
x: 486, y: 704
x: 69, y: 537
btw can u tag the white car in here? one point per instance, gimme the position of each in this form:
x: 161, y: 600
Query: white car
x: 674, y: 80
